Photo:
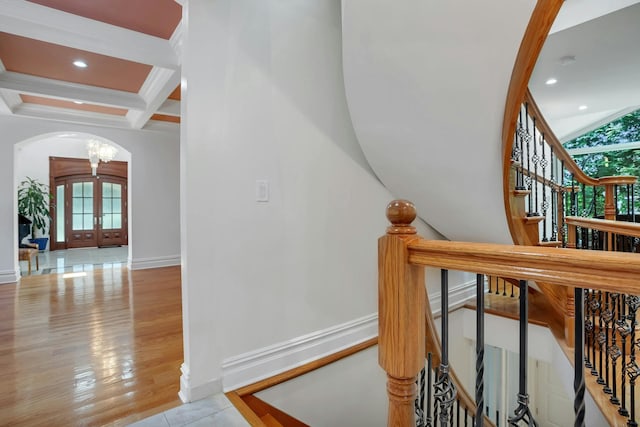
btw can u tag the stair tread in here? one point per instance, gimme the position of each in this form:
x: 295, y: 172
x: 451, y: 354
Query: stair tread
x: 270, y: 421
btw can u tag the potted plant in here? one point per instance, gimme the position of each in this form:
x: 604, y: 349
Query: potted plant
x: 33, y: 202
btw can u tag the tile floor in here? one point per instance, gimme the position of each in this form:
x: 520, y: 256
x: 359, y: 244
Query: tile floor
x: 75, y: 260
x: 212, y: 411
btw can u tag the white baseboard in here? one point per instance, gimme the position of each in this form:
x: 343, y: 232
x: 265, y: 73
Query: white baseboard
x: 155, y: 262
x: 189, y: 393
x: 9, y: 276
x: 458, y: 296
x: 266, y: 362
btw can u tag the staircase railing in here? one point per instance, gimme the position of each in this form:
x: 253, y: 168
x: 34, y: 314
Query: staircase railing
x: 403, y: 303
x: 548, y: 185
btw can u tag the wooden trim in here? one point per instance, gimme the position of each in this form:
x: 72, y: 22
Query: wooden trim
x: 608, y: 271
x: 244, y: 409
x: 68, y: 166
x: 271, y: 415
x: 304, y: 369
x: 618, y: 227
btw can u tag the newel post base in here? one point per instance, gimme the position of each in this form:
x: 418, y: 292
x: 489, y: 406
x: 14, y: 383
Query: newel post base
x: 401, y: 313
x: 402, y: 395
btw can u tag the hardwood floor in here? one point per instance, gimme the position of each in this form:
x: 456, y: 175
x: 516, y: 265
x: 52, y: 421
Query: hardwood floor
x: 89, y: 351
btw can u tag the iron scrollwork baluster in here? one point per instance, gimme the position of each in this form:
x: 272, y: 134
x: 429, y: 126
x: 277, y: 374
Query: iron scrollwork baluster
x: 522, y: 412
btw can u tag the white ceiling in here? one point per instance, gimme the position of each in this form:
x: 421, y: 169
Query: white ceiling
x: 605, y: 75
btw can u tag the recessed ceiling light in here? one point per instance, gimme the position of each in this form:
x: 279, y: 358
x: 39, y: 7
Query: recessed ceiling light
x: 78, y: 102
x: 80, y: 64
x: 582, y: 107
x: 551, y: 81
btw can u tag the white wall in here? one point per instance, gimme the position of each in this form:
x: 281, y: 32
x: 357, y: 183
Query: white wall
x: 154, y: 187
x: 426, y: 84
x: 263, y: 98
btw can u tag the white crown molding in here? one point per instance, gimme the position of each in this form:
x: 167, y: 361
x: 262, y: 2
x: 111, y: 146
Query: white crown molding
x: 31, y: 20
x: 161, y: 126
x: 263, y: 363
x: 176, y: 41
x: 8, y: 101
x: 41, y: 86
x: 7, y: 98
x: 156, y: 88
x: 170, y: 107
x: 9, y: 276
x: 69, y: 115
x: 154, y: 262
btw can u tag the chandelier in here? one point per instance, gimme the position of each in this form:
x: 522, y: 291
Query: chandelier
x: 100, y: 151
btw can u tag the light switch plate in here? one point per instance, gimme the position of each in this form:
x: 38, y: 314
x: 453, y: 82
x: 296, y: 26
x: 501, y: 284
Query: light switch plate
x: 262, y: 190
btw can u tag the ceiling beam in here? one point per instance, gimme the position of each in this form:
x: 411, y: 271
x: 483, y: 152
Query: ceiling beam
x: 170, y: 107
x: 31, y: 20
x: 68, y: 115
x: 157, y: 87
x: 40, y: 86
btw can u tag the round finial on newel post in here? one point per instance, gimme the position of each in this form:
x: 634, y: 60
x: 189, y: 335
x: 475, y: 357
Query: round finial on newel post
x: 401, y: 214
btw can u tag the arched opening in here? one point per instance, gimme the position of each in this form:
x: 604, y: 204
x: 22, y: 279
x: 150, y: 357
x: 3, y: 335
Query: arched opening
x: 89, y: 225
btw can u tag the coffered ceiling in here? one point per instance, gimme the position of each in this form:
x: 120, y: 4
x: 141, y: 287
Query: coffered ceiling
x: 131, y: 49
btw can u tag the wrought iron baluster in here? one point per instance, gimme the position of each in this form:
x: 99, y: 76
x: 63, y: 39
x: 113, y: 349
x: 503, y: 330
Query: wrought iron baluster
x: 578, y: 379
x: 512, y: 295
x: 607, y: 316
x: 528, y: 181
x: 535, y: 159
x: 602, y: 339
x: 458, y: 413
x: 504, y: 287
x: 554, y: 198
x: 518, y: 153
x: 428, y: 420
x: 479, y: 350
x: 419, y: 402
x: 588, y: 328
x: 624, y: 330
x: 633, y: 370
x: 545, y: 203
x: 594, y: 306
x: 522, y: 412
x: 614, y: 350
x: 444, y: 390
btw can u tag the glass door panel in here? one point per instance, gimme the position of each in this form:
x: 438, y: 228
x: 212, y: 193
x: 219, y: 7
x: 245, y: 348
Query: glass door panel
x: 113, y: 217
x: 83, y: 218
x: 60, y: 212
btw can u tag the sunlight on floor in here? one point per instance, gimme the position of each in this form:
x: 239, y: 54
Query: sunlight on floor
x: 78, y: 260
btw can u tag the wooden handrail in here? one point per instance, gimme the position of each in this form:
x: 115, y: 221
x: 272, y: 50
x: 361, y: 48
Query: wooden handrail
x: 607, y: 271
x: 618, y: 227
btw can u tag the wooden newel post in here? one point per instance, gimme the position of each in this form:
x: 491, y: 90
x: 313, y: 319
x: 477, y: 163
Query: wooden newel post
x: 401, y: 313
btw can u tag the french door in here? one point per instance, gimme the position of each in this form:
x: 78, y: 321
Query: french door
x: 94, y: 211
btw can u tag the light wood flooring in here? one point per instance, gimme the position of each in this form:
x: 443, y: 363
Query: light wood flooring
x: 104, y: 349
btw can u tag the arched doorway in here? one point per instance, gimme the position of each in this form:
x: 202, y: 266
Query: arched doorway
x: 88, y: 211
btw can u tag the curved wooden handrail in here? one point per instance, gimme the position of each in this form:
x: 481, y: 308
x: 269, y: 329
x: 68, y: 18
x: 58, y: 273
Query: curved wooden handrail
x: 562, y: 154
x: 607, y: 271
x: 618, y: 227
x: 542, y: 18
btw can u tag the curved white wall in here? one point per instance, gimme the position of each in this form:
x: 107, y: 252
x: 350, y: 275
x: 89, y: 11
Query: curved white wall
x: 426, y: 85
